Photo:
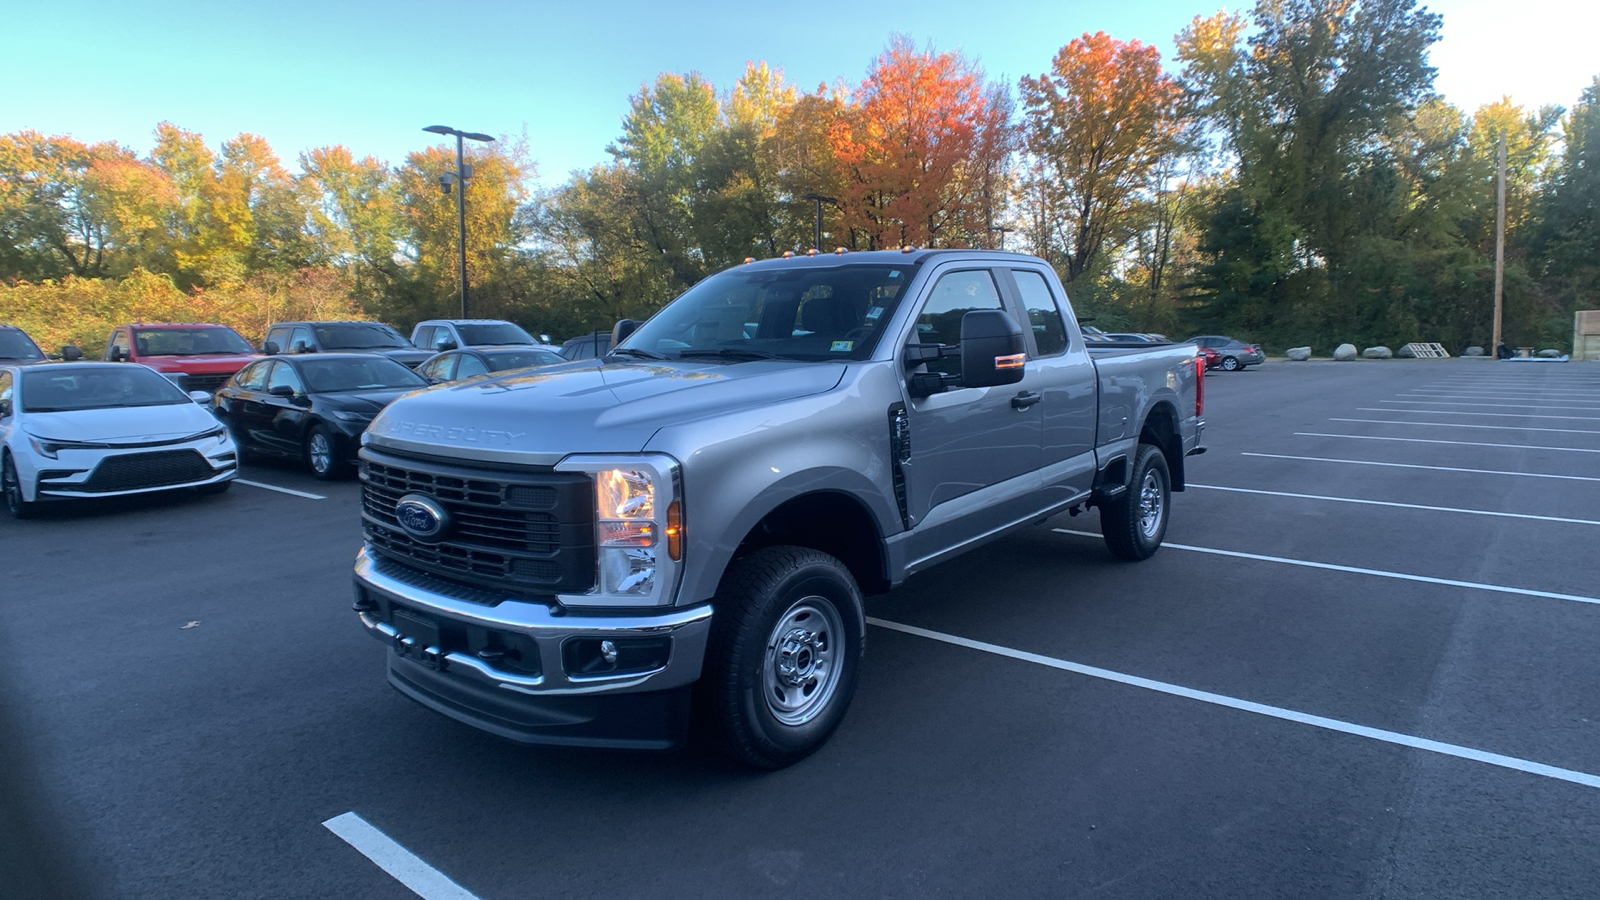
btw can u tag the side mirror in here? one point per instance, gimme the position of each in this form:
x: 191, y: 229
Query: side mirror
x: 71, y: 353
x: 622, y: 330
x: 446, y: 345
x: 992, y: 351
x: 302, y: 347
x: 271, y: 348
x: 281, y: 390
x: 118, y: 354
x: 200, y: 397
x: 544, y: 338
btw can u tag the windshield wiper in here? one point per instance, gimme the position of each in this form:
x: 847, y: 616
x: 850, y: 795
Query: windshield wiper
x: 631, y: 351
x: 728, y: 353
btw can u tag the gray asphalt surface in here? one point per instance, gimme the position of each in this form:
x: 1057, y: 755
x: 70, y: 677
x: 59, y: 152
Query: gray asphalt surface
x: 200, y: 761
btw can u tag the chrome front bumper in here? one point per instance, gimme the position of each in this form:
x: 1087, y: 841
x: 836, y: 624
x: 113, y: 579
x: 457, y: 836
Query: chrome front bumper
x: 548, y: 629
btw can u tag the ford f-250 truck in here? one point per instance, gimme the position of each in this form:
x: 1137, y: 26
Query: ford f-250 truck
x: 584, y: 553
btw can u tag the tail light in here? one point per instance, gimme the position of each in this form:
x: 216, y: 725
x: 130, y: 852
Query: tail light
x: 1199, y: 385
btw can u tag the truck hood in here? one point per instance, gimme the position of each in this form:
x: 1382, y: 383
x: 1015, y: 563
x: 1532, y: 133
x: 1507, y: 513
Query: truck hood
x: 587, y: 407
x: 131, y: 424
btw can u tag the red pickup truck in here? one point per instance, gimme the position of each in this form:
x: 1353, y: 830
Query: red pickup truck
x: 206, y: 355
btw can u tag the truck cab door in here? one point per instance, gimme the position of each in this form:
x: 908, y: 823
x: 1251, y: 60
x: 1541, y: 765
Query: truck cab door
x: 1069, y: 382
x: 975, y: 453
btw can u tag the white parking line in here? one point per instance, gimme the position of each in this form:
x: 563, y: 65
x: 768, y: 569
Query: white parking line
x: 1475, y: 405
x: 1462, y: 412
x: 1486, y: 396
x: 1395, y: 465
x: 1450, y: 509
x: 1261, y: 709
x: 281, y: 490
x: 1357, y: 570
x: 1503, y: 389
x: 1373, y: 437
x: 406, y: 867
x: 1459, y: 425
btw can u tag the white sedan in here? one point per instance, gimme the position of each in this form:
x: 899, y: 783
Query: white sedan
x: 96, y: 429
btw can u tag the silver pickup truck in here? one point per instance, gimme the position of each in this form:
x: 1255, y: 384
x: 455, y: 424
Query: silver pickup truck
x: 589, y: 553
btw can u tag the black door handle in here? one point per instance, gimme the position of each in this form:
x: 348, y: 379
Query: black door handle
x: 1026, y: 399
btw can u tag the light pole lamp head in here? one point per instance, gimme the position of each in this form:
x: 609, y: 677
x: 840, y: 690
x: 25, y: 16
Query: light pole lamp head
x: 445, y: 181
x: 439, y: 129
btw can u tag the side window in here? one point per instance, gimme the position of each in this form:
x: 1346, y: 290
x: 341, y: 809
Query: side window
x: 301, y: 340
x: 117, y: 348
x: 282, y: 375
x: 254, y: 378
x: 442, y: 335
x: 279, y: 336
x: 5, y: 394
x: 469, y: 366
x: 954, y: 295
x: 440, y: 368
x: 423, y: 337
x: 1044, y: 316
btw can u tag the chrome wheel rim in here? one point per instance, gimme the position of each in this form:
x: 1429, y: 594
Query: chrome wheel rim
x: 321, y: 453
x: 803, y: 660
x: 1230, y: 364
x: 1151, y: 508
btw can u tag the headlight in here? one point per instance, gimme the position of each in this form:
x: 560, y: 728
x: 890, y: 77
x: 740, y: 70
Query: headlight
x: 345, y: 415
x: 45, y: 448
x: 638, y: 528
x: 217, y: 433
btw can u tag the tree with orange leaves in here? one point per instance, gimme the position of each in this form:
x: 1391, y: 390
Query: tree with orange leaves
x: 919, y: 149
x: 1096, y: 126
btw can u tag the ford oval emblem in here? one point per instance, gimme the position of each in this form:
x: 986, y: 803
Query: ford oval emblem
x: 422, y: 517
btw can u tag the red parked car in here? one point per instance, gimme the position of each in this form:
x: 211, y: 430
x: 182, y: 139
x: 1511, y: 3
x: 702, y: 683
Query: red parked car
x: 205, y: 355
x: 1213, y: 358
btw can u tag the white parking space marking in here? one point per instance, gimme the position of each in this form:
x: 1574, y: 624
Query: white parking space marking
x: 1522, y: 397
x: 1460, y: 425
x: 1516, y: 392
x: 1462, y: 412
x: 1476, y: 405
x: 281, y: 490
x: 1374, y: 437
x: 1450, y: 509
x: 1395, y: 465
x: 1249, y: 706
x: 406, y: 867
x: 1357, y: 570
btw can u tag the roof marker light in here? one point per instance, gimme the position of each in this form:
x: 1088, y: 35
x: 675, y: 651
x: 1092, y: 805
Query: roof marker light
x: 788, y: 254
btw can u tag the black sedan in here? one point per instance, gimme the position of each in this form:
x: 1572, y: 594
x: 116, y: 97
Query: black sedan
x: 311, y: 407
x: 454, y: 365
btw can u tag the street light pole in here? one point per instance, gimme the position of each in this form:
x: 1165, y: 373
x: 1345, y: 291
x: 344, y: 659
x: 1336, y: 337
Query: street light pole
x: 821, y: 199
x: 1002, y: 229
x: 461, y: 194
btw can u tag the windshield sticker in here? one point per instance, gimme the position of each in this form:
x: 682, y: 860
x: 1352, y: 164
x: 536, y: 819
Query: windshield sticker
x: 842, y: 346
x: 874, y: 313
x: 894, y: 273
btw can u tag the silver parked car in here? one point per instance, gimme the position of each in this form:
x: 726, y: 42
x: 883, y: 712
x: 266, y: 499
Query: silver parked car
x: 1235, y: 354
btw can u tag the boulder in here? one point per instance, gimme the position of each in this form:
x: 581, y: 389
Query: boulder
x: 1405, y: 352
x: 1345, y: 351
x: 1472, y: 351
x: 1377, y: 353
x: 1298, y: 354
x: 1550, y: 354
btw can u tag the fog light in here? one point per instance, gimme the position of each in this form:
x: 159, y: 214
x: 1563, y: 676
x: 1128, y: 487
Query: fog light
x: 608, y: 652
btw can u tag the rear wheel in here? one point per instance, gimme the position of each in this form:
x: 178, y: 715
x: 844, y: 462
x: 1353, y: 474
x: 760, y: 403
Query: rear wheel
x: 1134, y: 523
x: 1230, y: 364
x: 11, y: 484
x: 322, y: 455
x: 784, y: 655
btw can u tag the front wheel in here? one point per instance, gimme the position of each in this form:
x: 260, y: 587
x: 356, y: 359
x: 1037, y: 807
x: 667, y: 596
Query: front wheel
x: 11, y: 484
x: 1134, y: 522
x: 784, y: 655
x: 322, y: 455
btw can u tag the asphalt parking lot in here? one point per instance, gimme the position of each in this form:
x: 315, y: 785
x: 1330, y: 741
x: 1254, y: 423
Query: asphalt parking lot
x: 1363, y: 665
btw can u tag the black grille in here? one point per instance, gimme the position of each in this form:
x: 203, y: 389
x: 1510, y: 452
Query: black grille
x: 131, y: 471
x: 527, y: 531
x: 207, y: 383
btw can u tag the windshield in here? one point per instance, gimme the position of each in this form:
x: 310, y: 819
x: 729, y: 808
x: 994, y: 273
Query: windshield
x: 359, y: 336
x: 480, y: 334
x: 327, y: 376
x: 63, y: 389
x: 802, y: 312
x: 189, y: 341
x: 521, y: 359
x: 16, y: 345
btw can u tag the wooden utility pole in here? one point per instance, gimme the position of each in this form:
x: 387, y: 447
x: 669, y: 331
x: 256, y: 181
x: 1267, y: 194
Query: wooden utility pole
x: 1499, y: 238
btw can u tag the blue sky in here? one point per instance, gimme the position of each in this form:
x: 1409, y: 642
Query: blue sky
x: 370, y: 75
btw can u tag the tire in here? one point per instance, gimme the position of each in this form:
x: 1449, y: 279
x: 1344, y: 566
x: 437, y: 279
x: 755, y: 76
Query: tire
x: 1134, y: 523
x: 783, y: 657
x: 11, y: 484
x: 322, y: 454
x: 1230, y: 364
x: 214, y: 488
